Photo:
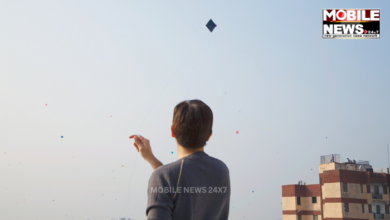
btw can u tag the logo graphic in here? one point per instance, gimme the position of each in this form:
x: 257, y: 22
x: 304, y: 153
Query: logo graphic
x: 351, y: 23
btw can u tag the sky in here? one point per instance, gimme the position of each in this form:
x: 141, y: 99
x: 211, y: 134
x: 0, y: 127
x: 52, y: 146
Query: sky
x: 109, y: 69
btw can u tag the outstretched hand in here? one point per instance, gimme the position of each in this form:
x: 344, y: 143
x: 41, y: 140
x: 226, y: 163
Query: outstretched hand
x: 143, y: 147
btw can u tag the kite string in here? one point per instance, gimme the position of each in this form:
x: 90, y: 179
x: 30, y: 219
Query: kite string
x: 135, y: 161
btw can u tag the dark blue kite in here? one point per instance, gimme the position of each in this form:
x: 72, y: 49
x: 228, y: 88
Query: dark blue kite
x: 211, y: 25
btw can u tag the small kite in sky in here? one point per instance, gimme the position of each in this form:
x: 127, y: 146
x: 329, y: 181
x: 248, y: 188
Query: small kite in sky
x: 236, y: 132
x: 46, y: 104
x: 172, y: 152
x: 122, y: 165
x: 211, y: 25
x: 62, y: 136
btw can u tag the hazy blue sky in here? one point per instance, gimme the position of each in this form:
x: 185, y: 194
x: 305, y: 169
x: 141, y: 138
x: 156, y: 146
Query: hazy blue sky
x: 89, y: 60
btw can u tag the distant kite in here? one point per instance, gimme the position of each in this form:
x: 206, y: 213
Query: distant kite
x: 211, y: 25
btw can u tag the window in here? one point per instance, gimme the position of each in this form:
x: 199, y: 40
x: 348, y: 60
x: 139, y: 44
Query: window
x: 361, y: 188
x: 345, y: 188
x: 363, y: 208
x: 346, y: 207
x: 315, y: 217
x: 298, y: 200
x: 314, y: 199
x: 376, y: 189
x: 378, y: 209
x: 384, y: 189
x: 299, y: 217
x: 387, y: 209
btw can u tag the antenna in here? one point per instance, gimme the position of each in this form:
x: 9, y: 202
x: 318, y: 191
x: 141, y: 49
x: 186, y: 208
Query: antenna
x: 388, y: 155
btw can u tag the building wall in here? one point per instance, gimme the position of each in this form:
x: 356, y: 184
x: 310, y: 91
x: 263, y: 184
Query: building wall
x: 332, y: 210
x: 290, y: 217
x: 354, y: 191
x: 336, y: 190
x: 307, y: 204
x: 289, y: 203
x: 334, y: 196
x: 345, y: 176
x: 307, y: 208
x: 326, y: 166
x: 304, y: 217
x: 369, y: 198
x: 331, y: 190
x: 309, y: 217
x: 355, y: 211
x: 386, y: 197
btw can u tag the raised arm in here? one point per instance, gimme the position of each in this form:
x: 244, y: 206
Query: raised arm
x: 143, y: 147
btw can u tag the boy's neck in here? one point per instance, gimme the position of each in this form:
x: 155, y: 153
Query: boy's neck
x: 183, y: 152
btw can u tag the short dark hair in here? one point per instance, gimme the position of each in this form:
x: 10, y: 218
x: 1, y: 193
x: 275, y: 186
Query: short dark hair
x: 192, y: 123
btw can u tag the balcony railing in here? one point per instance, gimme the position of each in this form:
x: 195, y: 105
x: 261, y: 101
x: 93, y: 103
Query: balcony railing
x: 379, y: 216
x: 377, y: 196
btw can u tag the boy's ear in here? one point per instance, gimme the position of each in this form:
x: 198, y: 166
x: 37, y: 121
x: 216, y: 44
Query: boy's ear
x: 210, y: 136
x: 173, y: 134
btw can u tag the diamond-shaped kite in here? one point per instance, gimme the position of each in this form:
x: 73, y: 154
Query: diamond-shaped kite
x: 211, y: 25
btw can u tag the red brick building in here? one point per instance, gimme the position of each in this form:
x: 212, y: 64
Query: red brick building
x: 346, y: 191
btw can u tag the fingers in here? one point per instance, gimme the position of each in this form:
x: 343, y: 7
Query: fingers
x: 144, y: 140
x: 132, y: 136
x: 138, y: 142
x: 136, y: 139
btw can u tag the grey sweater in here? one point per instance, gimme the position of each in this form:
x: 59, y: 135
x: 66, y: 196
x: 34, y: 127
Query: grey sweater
x: 196, y: 187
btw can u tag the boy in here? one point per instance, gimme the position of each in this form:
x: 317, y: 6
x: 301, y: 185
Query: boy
x: 195, y: 187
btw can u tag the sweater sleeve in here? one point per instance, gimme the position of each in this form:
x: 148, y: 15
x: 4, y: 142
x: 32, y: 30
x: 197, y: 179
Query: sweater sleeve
x: 160, y: 202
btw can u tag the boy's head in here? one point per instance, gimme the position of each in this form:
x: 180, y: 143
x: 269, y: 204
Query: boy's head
x: 192, y: 123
